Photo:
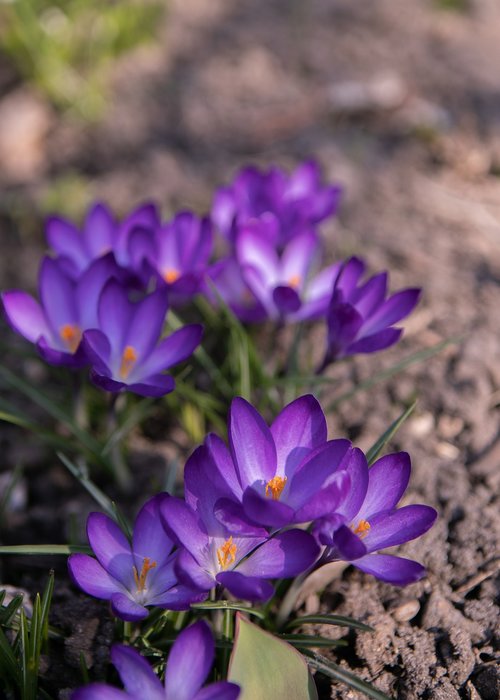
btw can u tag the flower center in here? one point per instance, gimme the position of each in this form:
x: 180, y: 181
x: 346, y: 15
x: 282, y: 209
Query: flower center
x: 129, y: 358
x: 275, y: 486
x: 140, y: 578
x: 362, y: 529
x: 171, y: 275
x: 294, y: 281
x: 71, y: 335
x: 226, y: 554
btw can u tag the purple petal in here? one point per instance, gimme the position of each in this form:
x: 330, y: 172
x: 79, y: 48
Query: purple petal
x: 58, y: 357
x: 203, y: 486
x: 348, y: 544
x: 300, y: 427
x: 357, y: 468
x: 287, y: 554
x: 246, y: 587
x: 146, y: 324
x: 251, y: 443
x: 223, y: 210
x: 397, y: 307
x: 57, y: 296
x: 395, y: 570
x: 316, y: 471
x: 219, y: 691
x: 149, y: 538
x: 179, y: 597
x: 400, y: 526
x: 92, y: 578
x: 286, y: 300
x: 183, y: 524
x: 191, y: 574
x: 224, y: 463
x: 106, y: 383
x: 155, y: 385
x: 115, y: 314
x: 266, y: 511
x: 127, y: 609
x: 189, y: 662
x: 349, y: 276
x: 89, y: 287
x: 387, y: 482
x: 99, y: 691
x: 174, y: 349
x: 25, y: 315
x: 98, y: 350
x: 370, y: 295
x: 98, y: 231
x: 111, y: 548
x: 136, y: 674
x: 297, y: 258
x: 66, y: 240
x: 325, y: 500
x: 233, y: 517
x: 254, y: 250
x: 374, y: 343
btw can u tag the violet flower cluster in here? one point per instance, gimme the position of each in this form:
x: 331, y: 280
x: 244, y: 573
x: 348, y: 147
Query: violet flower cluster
x: 105, y: 290
x: 241, y: 522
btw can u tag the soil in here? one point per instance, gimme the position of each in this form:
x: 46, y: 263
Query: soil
x: 400, y: 102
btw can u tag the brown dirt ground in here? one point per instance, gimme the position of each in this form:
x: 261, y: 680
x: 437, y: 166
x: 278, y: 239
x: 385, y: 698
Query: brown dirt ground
x: 400, y: 102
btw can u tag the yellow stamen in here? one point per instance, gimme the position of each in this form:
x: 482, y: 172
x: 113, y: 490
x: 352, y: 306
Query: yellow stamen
x: 226, y: 554
x: 71, y: 335
x: 294, y: 281
x: 129, y: 358
x: 275, y: 487
x: 362, y: 528
x: 171, y: 275
x: 140, y: 578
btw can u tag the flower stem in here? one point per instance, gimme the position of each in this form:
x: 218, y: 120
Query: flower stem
x: 228, y: 634
x: 127, y: 631
x: 120, y: 470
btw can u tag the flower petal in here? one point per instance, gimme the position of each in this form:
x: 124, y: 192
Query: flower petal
x: 136, y: 674
x: 179, y: 597
x: 191, y: 574
x: 300, y: 427
x: 115, y: 315
x: 219, y: 691
x: 146, y: 324
x: 246, y: 587
x: 397, y: 307
x: 325, y: 500
x: 387, y: 482
x: 66, y: 240
x: 92, y: 578
x: 402, y: 525
x: 395, y: 570
x: 298, y: 256
x: 98, y: 231
x: 348, y: 545
x: 189, y: 662
x: 99, y: 691
x: 266, y: 511
x: 251, y: 443
x: 111, y: 548
x: 284, y: 555
x: 57, y: 296
x: 149, y: 538
x: 174, y: 349
x: 357, y: 468
x: 25, y: 315
x: 183, y: 524
x: 286, y: 300
x: 378, y: 341
x: 127, y: 609
x: 155, y: 385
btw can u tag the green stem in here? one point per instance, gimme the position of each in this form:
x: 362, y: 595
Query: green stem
x: 288, y: 602
x: 120, y: 470
x: 228, y: 634
x: 127, y: 631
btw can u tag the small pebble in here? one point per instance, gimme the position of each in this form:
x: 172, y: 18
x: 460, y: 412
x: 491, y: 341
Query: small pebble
x: 407, y: 611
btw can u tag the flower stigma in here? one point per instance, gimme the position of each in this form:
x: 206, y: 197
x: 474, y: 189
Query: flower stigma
x: 129, y: 358
x: 171, y: 275
x: 140, y: 578
x: 362, y: 528
x: 226, y: 554
x: 275, y: 486
x: 71, y: 335
x: 294, y: 281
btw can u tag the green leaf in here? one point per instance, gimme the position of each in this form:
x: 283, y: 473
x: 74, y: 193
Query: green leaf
x: 303, y: 641
x: 332, y: 670
x: 226, y: 605
x: 44, y: 549
x: 339, y: 620
x: 265, y: 666
x: 379, y: 445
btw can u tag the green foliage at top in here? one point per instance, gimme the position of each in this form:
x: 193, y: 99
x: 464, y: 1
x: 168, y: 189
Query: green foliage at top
x: 64, y: 46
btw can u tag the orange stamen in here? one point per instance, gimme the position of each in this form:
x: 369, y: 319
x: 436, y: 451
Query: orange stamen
x: 294, y: 281
x: 140, y: 578
x: 362, y: 528
x: 226, y: 554
x: 275, y: 487
x: 71, y: 335
x: 171, y: 275
x: 129, y: 358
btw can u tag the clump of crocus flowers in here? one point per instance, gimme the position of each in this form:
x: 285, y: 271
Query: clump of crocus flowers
x: 276, y: 501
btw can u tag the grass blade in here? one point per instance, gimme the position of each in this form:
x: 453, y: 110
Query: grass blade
x: 226, y: 605
x: 44, y: 549
x: 303, y: 641
x: 379, y: 445
x: 339, y: 620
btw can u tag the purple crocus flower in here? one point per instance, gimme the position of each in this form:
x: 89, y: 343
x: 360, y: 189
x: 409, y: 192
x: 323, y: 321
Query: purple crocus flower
x: 283, y: 283
x: 124, y: 349
x: 102, y: 234
x: 67, y: 308
x: 240, y: 558
x: 131, y: 576
x: 287, y: 203
x: 282, y: 475
x: 368, y: 520
x: 226, y: 276
x: 182, y: 251
x: 189, y: 664
x: 360, y: 318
